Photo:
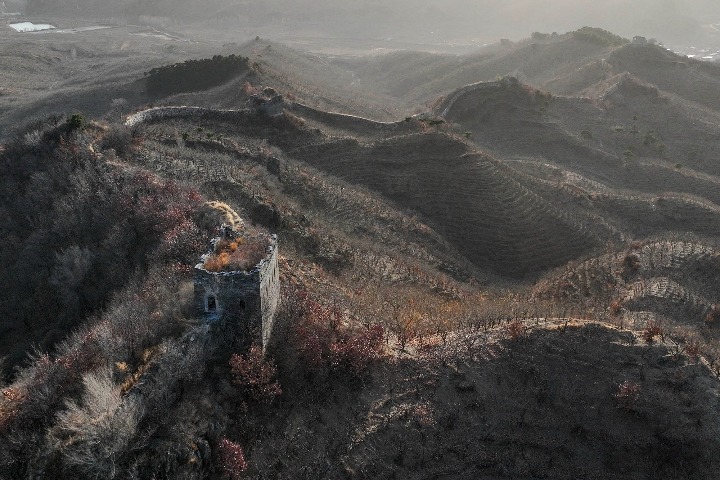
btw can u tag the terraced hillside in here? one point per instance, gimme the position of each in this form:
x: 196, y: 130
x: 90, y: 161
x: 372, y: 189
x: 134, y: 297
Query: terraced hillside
x: 688, y: 78
x: 473, y: 200
x: 353, y: 230
x: 582, y: 172
x: 641, y: 159
x: 674, y: 283
x: 546, y: 179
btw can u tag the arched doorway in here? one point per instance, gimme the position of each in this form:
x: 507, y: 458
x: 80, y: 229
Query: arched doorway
x: 211, y: 303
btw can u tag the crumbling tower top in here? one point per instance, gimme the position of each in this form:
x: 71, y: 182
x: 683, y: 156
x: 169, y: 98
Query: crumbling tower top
x: 237, y: 282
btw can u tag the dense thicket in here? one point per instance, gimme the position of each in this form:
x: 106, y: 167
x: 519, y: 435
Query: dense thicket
x: 194, y: 75
x: 75, y: 227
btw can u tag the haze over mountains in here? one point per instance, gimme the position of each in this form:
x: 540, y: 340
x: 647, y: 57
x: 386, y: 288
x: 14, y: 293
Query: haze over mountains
x: 453, y: 20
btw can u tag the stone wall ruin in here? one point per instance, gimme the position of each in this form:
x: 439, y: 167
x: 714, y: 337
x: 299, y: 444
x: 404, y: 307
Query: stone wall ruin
x: 247, y: 297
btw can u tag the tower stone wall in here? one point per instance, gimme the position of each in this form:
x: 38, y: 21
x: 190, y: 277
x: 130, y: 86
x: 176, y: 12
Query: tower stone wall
x: 248, y: 297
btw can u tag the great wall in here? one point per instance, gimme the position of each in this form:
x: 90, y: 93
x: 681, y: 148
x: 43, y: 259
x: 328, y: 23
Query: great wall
x: 250, y: 297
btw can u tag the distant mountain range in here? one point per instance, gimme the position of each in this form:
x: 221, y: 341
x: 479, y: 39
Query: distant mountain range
x: 669, y: 20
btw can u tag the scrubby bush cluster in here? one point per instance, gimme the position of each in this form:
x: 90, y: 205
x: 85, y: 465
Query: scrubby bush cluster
x: 104, y: 249
x: 194, y: 75
x: 84, y: 410
x: 627, y: 395
x: 515, y: 330
x: 88, y: 235
x: 255, y: 376
x: 327, y: 344
x: 119, y: 138
x: 713, y: 316
x: 231, y: 458
x: 652, y: 330
x: 76, y: 228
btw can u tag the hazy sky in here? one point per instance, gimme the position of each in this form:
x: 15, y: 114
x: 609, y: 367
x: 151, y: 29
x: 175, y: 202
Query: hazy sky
x: 664, y: 19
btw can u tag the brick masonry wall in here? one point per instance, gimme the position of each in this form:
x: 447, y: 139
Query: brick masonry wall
x: 269, y: 291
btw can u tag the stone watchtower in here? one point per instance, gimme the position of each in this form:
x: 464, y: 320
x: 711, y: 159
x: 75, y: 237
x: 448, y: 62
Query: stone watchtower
x: 225, y: 291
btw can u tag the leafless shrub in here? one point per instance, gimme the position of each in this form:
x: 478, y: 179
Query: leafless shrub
x: 326, y: 344
x: 636, y: 245
x: 713, y: 316
x: 627, y: 394
x: 424, y: 415
x: 413, y: 315
x: 630, y: 263
x: 693, y: 349
x: 515, y: 330
x: 118, y: 107
x: 71, y: 267
x: 174, y: 365
x: 130, y: 327
x: 32, y: 139
x: 652, y: 329
x: 405, y: 327
x: 119, y: 138
x: 615, y: 308
x: 92, y: 435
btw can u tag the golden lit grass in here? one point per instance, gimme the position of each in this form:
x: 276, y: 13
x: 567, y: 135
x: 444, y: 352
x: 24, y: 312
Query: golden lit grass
x: 236, y: 255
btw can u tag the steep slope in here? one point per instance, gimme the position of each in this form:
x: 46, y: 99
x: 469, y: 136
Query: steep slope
x: 467, y: 419
x: 626, y: 126
x: 690, y: 79
x: 471, y: 199
x: 513, y: 119
x: 693, y: 80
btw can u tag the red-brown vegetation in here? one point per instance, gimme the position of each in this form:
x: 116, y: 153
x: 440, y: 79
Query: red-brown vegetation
x: 693, y: 349
x: 231, y: 459
x: 627, y: 395
x: 255, y: 375
x: 104, y: 222
x: 75, y: 245
x: 713, y: 316
x: 631, y: 263
x: 327, y: 344
x: 615, y: 308
x: 652, y: 329
x: 515, y: 330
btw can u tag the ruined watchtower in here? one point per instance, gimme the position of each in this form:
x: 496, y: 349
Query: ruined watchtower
x: 268, y: 102
x: 238, y: 281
